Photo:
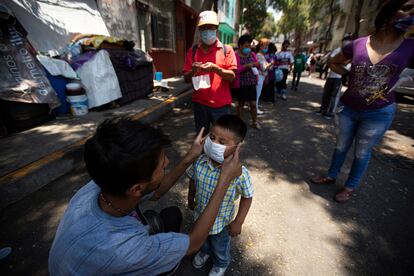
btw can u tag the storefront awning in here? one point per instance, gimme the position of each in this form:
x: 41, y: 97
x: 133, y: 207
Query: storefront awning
x: 226, y: 29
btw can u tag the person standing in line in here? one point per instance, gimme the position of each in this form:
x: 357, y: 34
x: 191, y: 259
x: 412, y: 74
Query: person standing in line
x: 268, y: 90
x: 324, y: 68
x: 246, y: 79
x: 312, y: 64
x: 332, y: 85
x: 262, y: 50
x: 284, y: 62
x: 211, y: 67
x: 369, y: 102
x: 298, y: 68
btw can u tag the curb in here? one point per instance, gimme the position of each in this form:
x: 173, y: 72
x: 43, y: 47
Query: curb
x: 32, y: 177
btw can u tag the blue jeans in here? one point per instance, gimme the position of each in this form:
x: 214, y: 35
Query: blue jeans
x: 366, y: 127
x: 218, y: 247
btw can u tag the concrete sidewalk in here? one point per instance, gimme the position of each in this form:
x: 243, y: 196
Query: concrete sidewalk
x: 33, y: 158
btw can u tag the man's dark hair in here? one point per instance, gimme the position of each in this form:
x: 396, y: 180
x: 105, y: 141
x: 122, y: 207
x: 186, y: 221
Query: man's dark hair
x: 234, y: 124
x: 387, y: 11
x: 123, y: 152
x: 243, y: 39
x: 272, y: 48
x: 286, y: 42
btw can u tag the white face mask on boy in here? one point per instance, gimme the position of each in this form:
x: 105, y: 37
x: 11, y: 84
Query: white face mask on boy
x: 214, y: 151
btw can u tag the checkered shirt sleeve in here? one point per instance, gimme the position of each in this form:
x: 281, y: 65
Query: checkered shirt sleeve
x: 190, y: 171
x: 244, y: 184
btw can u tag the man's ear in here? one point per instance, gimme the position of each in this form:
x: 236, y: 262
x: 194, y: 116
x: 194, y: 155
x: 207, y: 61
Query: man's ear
x: 137, y: 190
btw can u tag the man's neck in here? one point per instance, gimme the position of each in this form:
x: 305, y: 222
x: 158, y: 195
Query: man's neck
x: 109, y: 204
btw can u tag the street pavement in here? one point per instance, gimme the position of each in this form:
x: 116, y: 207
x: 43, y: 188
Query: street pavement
x: 293, y: 227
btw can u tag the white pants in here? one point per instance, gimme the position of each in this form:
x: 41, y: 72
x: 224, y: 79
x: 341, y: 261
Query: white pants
x: 259, y: 88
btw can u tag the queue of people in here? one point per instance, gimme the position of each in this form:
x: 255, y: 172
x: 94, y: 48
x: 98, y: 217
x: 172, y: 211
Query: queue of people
x: 104, y: 231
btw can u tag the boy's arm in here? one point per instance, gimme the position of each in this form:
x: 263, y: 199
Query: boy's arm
x: 191, y: 194
x: 236, y: 225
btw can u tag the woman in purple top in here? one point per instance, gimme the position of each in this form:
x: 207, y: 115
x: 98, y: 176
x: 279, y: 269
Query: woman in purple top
x: 369, y: 103
x: 245, y: 82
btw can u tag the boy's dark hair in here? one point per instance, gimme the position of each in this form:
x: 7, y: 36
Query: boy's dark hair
x: 234, y: 124
x: 123, y: 152
x: 243, y: 39
x: 387, y: 11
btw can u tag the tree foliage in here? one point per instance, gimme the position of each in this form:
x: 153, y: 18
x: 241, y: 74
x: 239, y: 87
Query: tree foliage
x: 268, y: 29
x: 299, y: 15
x: 296, y: 16
x: 254, y: 16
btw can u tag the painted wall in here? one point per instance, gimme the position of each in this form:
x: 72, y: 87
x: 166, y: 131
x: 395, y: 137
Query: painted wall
x: 120, y: 18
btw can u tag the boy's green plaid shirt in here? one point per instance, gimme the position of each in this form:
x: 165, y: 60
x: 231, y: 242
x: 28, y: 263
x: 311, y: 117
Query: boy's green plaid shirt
x: 206, y: 176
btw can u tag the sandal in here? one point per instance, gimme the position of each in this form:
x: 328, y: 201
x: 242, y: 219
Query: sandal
x: 343, y: 195
x: 322, y: 180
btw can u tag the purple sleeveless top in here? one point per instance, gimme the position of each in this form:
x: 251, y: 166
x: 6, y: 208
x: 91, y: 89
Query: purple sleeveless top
x: 369, y: 84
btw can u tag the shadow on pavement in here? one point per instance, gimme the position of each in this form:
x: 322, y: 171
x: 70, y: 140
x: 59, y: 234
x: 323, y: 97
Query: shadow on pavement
x: 376, y: 226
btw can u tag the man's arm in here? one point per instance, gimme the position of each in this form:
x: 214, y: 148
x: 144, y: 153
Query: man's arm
x: 171, y: 178
x: 337, y: 62
x: 231, y: 169
x: 244, y: 207
x: 194, y: 69
x: 225, y: 74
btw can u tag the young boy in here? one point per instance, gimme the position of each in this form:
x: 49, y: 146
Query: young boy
x: 227, y: 132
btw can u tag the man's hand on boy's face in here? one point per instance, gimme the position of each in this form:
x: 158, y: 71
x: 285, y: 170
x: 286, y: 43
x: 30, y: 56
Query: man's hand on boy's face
x: 197, y: 146
x: 235, y: 228
x: 231, y: 167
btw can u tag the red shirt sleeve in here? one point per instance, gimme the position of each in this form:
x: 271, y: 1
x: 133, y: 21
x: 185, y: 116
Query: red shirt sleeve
x: 230, y: 59
x: 188, y: 61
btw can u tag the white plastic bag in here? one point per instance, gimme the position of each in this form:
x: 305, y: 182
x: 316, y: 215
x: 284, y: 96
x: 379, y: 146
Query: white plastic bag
x: 200, y: 82
x: 255, y: 71
x: 99, y: 79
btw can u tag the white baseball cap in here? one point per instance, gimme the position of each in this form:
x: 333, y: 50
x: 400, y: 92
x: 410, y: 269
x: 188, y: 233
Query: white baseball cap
x: 207, y: 17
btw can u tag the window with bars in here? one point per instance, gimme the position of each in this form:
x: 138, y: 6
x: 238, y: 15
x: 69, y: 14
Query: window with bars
x: 162, y: 34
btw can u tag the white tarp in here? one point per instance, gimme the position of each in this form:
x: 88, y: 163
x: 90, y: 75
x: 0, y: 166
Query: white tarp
x: 50, y: 23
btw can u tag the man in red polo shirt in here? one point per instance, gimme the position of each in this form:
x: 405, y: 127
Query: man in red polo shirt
x: 211, y: 69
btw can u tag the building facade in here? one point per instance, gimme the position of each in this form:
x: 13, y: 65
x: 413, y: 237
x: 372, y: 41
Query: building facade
x: 163, y: 28
x: 347, y: 14
x: 227, y: 15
